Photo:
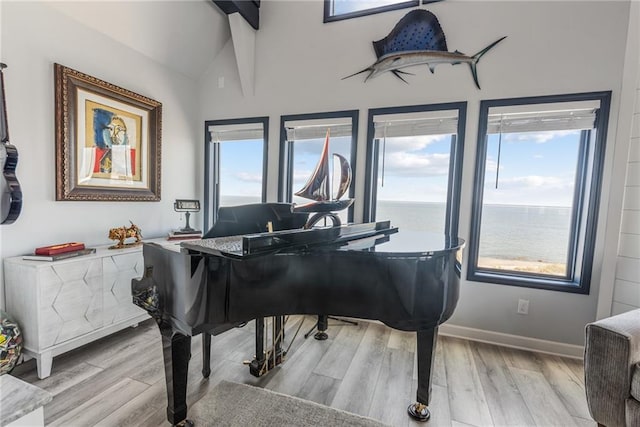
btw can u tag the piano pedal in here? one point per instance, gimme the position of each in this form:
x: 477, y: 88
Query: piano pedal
x: 249, y: 362
x: 419, y: 412
x: 258, y: 368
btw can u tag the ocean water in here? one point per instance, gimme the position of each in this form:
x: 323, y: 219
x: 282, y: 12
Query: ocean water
x: 527, y: 233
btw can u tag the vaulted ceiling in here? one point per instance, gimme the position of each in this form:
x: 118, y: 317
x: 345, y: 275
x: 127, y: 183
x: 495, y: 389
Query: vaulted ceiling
x: 184, y: 35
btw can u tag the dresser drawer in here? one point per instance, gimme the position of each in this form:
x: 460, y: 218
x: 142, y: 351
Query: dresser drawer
x: 118, y: 270
x: 70, y: 300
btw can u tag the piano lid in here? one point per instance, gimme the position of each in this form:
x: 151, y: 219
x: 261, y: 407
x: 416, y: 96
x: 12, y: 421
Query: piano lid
x: 418, y: 243
x: 377, y: 237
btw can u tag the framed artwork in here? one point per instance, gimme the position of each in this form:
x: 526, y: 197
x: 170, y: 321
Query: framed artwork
x: 108, y: 140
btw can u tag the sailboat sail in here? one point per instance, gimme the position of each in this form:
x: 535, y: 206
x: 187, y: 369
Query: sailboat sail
x: 343, y: 181
x: 318, y: 187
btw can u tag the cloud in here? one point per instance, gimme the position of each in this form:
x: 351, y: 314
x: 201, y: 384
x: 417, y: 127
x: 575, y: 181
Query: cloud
x: 536, y: 181
x: 313, y: 146
x: 492, y: 165
x: 538, y: 137
x: 300, y: 177
x: 412, y: 143
x: 413, y: 164
x: 532, y: 190
x: 338, y: 144
x: 404, y: 156
x: 248, y: 177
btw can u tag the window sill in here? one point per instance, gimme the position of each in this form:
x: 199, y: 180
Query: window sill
x: 535, y: 282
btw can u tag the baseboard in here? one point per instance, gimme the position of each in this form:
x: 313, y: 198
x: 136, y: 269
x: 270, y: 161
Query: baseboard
x: 513, y: 341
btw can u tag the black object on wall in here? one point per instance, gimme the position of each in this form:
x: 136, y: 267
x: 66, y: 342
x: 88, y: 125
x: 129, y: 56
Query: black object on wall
x: 10, y: 191
x: 248, y: 9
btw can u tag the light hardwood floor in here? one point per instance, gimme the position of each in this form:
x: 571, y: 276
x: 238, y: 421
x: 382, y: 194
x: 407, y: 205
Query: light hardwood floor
x: 368, y: 369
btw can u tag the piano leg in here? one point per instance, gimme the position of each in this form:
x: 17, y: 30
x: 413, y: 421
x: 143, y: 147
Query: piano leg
x: 426, y: 355
x: 278, y: 331
x: 322, y: 324
x: 206, y: 355
x: 176, y: 349
x: 256, y: 365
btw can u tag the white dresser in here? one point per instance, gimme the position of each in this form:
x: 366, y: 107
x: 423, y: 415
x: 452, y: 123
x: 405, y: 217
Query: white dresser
x: 64, y: 304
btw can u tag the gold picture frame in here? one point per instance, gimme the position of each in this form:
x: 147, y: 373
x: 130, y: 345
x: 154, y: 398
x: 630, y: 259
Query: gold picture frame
x: 108, y: 140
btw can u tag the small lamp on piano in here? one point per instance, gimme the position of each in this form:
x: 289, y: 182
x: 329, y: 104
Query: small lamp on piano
x: 187, y: 206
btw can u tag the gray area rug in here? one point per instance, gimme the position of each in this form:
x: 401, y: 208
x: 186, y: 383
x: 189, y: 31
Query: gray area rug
x: 239, y: 405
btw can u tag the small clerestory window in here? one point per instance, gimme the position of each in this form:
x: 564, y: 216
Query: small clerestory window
x: 336, y: 10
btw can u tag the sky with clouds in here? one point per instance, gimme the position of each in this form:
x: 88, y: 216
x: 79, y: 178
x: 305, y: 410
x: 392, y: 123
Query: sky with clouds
x: 535, y: 168
x: 241, y: 168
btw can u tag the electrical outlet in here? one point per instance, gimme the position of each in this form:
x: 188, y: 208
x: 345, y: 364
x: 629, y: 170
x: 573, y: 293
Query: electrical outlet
x: 220, y: 82
x: 523, y: 306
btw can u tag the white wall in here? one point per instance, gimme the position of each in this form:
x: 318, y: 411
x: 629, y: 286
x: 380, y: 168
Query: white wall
x: 552, y: 48
x: 626, y: 293
x: 34, y: 36
x: 619, y: 231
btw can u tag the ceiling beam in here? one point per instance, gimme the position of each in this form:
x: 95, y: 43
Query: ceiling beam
x: 244, y: 47
x: 248, y: 9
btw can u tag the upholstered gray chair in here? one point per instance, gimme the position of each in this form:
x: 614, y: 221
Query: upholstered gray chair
x: 612, y: 370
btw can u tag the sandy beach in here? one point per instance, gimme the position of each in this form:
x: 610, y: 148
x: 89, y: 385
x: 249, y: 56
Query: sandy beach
x: 540, y: 267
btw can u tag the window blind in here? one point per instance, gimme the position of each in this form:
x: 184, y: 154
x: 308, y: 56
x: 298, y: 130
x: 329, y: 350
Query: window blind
x: 239, y: 132
x: 543, y: 117
x: 411, y: 124
x: 317, y: 128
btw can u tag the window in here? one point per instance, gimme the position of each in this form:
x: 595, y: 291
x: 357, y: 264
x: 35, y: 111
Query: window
x: 537, y: 186
x: 235, y: 164
x: 335, y: 10
x: 414, y: 166
x: 301, y: 140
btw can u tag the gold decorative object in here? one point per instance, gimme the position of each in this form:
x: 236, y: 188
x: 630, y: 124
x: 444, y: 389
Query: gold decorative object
x: 122, y: 233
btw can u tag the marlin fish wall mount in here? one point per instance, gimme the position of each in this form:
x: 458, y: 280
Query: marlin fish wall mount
x: 415, y: 40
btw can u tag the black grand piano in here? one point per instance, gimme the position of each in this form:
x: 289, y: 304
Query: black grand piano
x: 409, y: 281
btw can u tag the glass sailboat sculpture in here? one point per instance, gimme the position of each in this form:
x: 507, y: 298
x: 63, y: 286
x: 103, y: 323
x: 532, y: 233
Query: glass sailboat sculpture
x: 319, y: 189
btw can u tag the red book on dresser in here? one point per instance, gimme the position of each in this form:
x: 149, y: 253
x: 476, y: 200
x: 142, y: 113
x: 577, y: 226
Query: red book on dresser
x: 60, y: 248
